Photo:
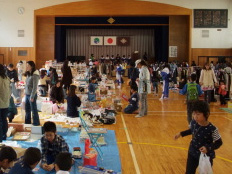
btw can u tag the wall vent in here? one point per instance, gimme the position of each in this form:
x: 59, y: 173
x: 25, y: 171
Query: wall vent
x: 205, y: 33
x: 20, y: 33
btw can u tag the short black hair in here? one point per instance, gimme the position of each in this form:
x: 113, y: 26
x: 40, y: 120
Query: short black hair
x: 93, y: 78
x: 134, y: 87
x: 32, y: 156
x: 9, y: 153
x: 193, y: 77
x: 201, y: 107
x: 49, y: 127
x: 64, y: 161
x: 11, y: 65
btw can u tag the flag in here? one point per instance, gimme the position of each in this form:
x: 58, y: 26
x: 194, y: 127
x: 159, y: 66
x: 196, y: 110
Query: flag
x: 96, y: 40
x: 123, y: 41
x: 109, y: 40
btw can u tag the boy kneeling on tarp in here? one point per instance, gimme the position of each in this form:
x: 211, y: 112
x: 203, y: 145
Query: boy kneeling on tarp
x: 133, y: 101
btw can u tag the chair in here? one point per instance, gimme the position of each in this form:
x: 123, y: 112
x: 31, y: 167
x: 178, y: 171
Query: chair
x: 94, y: 134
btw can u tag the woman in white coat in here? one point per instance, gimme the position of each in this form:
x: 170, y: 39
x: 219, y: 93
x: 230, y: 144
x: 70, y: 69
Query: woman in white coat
x: 144, y: 87
x: 207, y: 81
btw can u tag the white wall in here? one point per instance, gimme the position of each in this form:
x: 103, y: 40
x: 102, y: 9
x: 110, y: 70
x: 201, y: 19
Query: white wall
x: 11, y: 21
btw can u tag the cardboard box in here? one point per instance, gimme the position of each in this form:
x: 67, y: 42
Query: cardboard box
x: 18, y: 126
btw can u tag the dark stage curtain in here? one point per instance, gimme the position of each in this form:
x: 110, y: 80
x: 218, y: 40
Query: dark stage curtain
x: 60, y: 43
x: 161, y: 43
x: 78, y: 42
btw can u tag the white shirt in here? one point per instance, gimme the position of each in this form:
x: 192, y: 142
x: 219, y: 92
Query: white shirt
x: 62, y: 172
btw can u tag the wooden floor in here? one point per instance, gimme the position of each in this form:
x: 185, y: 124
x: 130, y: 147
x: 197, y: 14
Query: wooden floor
x: 147, y: 146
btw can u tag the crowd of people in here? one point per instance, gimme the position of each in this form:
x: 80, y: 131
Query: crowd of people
x: 142, y: 79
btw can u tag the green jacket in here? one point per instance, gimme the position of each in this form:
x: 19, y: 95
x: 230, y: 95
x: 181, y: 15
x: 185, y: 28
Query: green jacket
x: 5, y: 92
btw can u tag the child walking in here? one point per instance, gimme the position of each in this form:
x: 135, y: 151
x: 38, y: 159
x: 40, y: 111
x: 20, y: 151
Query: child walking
x: 222, y: 92
x: 205, y: 136
x: 193, y: 90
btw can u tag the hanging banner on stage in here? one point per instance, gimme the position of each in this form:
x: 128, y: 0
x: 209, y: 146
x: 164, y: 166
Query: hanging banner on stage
x: 110, y: 40
x: 96, y: 40
x: 123, y: 41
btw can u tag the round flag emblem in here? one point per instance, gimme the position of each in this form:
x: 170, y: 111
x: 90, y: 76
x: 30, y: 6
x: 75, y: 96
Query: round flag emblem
x: 110, y: 40
x: 96, y: 40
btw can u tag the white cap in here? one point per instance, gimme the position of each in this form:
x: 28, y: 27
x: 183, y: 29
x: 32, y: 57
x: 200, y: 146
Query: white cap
x: 137, y: 62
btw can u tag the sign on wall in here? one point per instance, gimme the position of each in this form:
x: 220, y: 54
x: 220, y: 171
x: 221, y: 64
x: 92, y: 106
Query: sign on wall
x: 110, y: 40
x: 172, y: 51
x: 210, y: 18
x: 96, y: 40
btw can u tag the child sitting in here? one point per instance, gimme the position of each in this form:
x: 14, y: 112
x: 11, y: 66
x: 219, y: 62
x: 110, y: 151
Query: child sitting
x: 73, y: 102
x: 205, y: 136
x: 222, y: 92
x: 51, y: 145
x: 7, y: 157
x: 63, y: 163
x: 92, y: 88
x: 134, y: 100
x: 30, y: 160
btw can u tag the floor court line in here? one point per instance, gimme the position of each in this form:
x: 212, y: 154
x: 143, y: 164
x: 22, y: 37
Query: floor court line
x: 176, y: 147
x: 131, y: 147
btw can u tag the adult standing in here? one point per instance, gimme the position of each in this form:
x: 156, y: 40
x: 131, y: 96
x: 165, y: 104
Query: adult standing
x: 144, y: 87
x: 13, y: 76
x: 67, y: 76
x: 31, y: 94
x: 20, y: 69
x: 133, y: 74
x: 207, y: 81
x: 5, y: 94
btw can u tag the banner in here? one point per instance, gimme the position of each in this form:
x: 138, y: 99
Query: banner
x: 96, y: 40
x: 109, y: 40
x: 123, y: 41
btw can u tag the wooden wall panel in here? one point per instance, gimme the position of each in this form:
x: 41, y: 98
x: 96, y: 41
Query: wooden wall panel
x: 113, y: 8
x: 179, y: 36
x: 209, y: 52
x: 11, y: 54
x: 45, y: 39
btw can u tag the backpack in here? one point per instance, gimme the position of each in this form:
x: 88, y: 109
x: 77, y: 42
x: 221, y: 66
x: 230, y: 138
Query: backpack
x: 192, y: 93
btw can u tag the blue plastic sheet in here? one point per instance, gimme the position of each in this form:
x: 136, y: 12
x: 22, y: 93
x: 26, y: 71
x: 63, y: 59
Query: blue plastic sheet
x: 111, y: 158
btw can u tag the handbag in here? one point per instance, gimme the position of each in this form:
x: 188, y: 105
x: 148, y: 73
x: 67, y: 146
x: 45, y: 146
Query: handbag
x: 205, y: 165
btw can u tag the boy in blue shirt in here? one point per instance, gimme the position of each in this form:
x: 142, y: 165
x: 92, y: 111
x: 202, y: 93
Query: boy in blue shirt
x: 193, y: 90
x: 92, y: 88
x: 51, y: 145
x: 30, y: 160
x: 134, y: 101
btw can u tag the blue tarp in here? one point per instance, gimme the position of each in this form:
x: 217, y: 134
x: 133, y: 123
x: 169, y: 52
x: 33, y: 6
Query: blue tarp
x: 111, y: 158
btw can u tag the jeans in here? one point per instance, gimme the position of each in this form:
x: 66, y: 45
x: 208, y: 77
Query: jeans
x: 130, y: 109
x: 207, y: 96
x: 192, y: 164
x: 3, y: 123
x: 143, y: 104
x: 31, y: 107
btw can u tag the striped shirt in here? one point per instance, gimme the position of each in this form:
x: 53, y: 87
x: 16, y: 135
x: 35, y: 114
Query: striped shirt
x: 207, y: 136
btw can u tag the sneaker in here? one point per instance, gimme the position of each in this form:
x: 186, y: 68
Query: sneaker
x: 138, y: 116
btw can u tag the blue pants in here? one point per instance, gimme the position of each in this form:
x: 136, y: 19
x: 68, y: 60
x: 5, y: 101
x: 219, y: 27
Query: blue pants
x: 31, y: 107
x: 92, y: 97
x: 3, y: 123
x: 130, y: 109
